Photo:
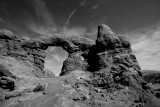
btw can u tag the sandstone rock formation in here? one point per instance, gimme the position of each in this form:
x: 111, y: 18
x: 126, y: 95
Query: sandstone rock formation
x: 101, y: 73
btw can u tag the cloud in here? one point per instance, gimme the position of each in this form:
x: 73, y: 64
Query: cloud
x: 82, y: 31
x: 52, y: 49
x: 67, y: 23
x: 92, y: 33
x: 1, y: 20
x: 59, y: 58
x: 26, y: 37
x: 55, y: 68
x: 41, y: 29
x: 42, y: 11
x: 4, y: 9
x: 77, y: 31
x: 55, y: 63
x: 83, y: 2
x: 145, y: 44
x: 54, y: 59
x: 47, y: 24
x: 95, y: 7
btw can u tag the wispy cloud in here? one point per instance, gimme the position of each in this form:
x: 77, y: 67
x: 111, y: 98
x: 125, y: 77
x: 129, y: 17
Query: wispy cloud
x: 77, y: 31
x: 1, y: 20
x: 26, y: 38
x: 50, y: 65
x: 58, y: 58
x: 54, y: 59
x: 82, y: 31
x: 95, y: 6
x: 67, y: 23
x: 4, y: 9
x: 41, y: 29
x: 92, y: 33
x: 98, y: 4
x: 52, y: 49
x: 47, y: 24
x: 42, y: 11
x: 83, y: 2
x: 145, y: 44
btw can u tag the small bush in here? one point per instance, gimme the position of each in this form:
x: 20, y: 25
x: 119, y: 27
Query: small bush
x: 39, y: 88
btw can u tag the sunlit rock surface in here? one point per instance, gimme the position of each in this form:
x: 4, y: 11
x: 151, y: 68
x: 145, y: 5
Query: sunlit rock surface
x: 101, y: 73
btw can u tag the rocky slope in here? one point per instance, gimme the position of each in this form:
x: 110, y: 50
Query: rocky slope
x: 101, y: 73
x: 151, y: 76
x: 153, y: 79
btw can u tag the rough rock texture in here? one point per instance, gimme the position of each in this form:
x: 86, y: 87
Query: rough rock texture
x: 11, y: 46
x: 104, y: 73
x: 153, y: 79
x: 151, y: 76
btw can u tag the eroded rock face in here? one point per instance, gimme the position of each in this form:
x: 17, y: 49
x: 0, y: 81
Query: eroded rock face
x: 101, y: 73
x: 33, y: 51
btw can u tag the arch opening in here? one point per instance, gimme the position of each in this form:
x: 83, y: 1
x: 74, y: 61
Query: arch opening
x: 55, y: 56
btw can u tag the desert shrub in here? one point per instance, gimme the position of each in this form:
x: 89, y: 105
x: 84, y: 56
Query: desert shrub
x: 39, y: 88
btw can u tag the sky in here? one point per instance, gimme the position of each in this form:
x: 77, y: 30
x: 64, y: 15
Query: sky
x: 138, y: 20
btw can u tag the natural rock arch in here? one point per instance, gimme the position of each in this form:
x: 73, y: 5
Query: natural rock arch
x: 33, y: 51
x: 80, y: 49
x: 74, y: 45
x: 104, y: 72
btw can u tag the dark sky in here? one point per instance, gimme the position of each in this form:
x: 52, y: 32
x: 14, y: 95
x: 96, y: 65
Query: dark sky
x: 136, y: 19
x: 121, y: 15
